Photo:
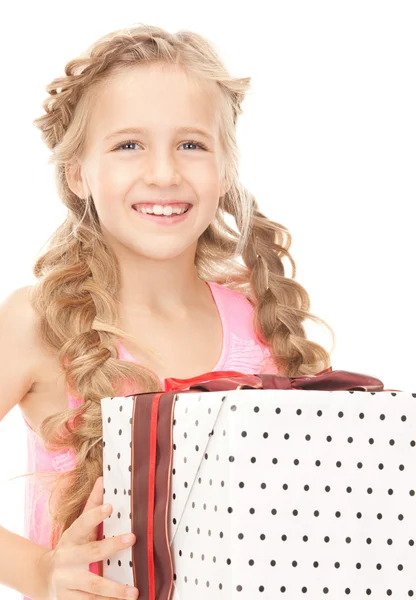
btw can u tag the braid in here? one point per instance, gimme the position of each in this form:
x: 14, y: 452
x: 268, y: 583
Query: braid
x: 76, y: 296
x: 281, y: 304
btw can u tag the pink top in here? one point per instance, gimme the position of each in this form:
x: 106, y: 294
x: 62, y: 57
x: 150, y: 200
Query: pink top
x: 241, y: 351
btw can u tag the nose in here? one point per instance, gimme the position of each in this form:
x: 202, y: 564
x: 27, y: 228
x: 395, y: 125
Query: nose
x: 161, y: 169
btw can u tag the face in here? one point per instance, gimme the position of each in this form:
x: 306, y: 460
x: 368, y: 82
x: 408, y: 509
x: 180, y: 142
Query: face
x: 160, y: 162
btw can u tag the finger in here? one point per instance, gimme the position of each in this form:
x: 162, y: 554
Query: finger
x: 93, y: 552
x: 76, y: 595
x: 96, y: 498
x: 98, y: 586
x: 83, y: 527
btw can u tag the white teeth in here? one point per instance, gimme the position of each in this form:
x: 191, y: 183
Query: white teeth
x: 160, y: 210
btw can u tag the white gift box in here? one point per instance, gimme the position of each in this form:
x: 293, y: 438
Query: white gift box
x: 276, y: 493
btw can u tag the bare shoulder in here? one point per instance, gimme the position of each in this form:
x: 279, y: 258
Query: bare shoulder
x: 20, y: 348
x: 18, y: 315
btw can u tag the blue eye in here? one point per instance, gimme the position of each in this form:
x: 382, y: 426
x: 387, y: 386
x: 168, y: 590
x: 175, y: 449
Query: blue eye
x: 132, y: 142
x: 196, y: 144
x: 125, y: 144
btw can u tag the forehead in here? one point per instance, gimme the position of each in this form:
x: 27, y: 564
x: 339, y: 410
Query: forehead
x: 157, y: 97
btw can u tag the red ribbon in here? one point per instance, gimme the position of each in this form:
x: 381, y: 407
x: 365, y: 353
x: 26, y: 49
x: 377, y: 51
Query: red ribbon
x: 151, y: 496
x: 172, y: 384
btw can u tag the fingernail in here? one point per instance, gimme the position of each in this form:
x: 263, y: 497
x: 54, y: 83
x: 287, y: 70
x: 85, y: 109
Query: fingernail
x: 127, y: 539
x: 132, y: 593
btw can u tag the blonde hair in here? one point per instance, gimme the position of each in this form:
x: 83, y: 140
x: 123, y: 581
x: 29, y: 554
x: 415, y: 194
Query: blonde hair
x: 78, y: 275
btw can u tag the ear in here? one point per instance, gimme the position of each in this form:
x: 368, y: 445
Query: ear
x: 74, y: 179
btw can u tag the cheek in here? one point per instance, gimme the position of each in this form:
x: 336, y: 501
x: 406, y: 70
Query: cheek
x: 112, y: 181
x: 206, y: 180
x: 110, y: 190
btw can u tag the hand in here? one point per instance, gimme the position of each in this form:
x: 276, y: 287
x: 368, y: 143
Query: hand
x: 66, y: 568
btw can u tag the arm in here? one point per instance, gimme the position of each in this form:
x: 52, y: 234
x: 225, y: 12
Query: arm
x: 27, y: 567
x: 19, y: 557
x: 21, y: 567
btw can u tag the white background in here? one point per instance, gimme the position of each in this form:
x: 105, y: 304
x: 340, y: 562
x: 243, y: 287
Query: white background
x: 328, y: 145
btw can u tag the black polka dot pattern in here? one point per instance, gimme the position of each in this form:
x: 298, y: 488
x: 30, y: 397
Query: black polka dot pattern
x: 281, y: 494
x: 117, y: 479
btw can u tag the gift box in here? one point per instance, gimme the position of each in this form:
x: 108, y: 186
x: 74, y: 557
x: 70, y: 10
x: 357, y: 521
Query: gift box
x: 263, y: 486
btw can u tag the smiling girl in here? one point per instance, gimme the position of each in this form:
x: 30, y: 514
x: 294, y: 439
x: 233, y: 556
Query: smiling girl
x: 144, y: 280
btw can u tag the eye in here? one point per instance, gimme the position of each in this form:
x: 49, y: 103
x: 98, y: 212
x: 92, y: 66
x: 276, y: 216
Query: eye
x: 193, y: 143
x: 129, y: 143
x: 132, y: 142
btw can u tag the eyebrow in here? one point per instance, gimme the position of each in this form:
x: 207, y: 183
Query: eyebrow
x: 141, y: 130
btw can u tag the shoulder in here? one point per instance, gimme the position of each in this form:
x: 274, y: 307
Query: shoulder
x: 21, y: 321
x: 18, y: 308
x: 19, y: 348
x: 18, y: 303
x: 20, y: 324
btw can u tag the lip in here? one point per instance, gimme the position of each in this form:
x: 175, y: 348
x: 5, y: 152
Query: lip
x: 161, y: 220
x: 161, y: 202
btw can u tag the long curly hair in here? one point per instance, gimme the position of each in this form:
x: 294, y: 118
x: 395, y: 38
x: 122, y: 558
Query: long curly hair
x: 78, y: 276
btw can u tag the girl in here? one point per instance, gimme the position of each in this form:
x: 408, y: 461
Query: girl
x: 144, y: 280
